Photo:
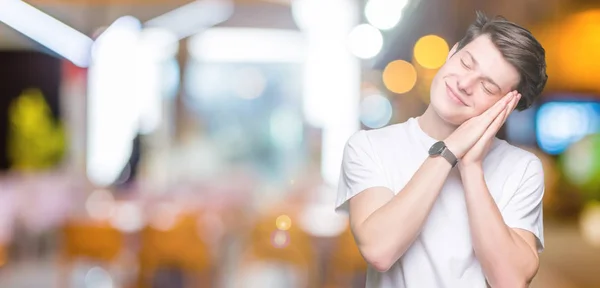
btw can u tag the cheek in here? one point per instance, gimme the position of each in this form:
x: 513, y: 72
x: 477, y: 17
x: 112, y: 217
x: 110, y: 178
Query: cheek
x: 483, y: 104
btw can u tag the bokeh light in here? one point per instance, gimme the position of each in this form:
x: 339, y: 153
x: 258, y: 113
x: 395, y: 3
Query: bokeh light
x: 164, y: 216
x: 127, y: 217
x: 321, y: 15
x: 100, y: 204
x: 562, y: 123
x: 520, y: 127
x: 98, y: 278
x: 319, y: 219
x: 375, y: 111
x: 365, y: 41
x: 399, y: 76
x: 280, y: 239
x: 250, y: 83
x: 581, y: 164
x: 571, y: 46
x: 431, y: 51
x: 384, y: 14
x: 590, y: 223
x: 283, y: 222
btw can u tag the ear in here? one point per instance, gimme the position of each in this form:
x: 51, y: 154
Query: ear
x: 452, y: 51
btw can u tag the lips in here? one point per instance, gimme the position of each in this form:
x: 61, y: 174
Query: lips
x: 454, y: 96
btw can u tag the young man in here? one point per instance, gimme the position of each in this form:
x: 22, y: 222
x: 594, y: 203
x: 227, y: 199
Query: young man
x: 438, y: 201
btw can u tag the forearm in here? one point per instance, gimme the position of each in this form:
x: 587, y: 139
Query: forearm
x: 506, y: 259
x: 389, y: 231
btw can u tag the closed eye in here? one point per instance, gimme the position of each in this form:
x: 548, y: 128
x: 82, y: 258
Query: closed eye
x: 485, y: 89
x: 464, y: 64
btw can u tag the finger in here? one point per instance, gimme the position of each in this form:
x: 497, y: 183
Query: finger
x: 485, y: 120
x: 499, y: 106
x: 501, y: 118
x: 493, y: 128
x: 513, y: 104
x: 516, y: 102
x: 511, y: 107
x: 489, y: 115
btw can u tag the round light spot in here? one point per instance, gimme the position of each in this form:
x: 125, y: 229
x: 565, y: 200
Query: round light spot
x: 431, y: 51
x: 98, y: 278
x: 399, y: 76
x: 384, y: 14
x: 250, y: 83
x: 127, y: 217
x: 365, y: 41
x: 100, y: 205
x: 581, y: 165
x: 590, y: 223
x: 283, y: 222
x: 280, y: 239
x: 165, y: 216
x: 375, y: 111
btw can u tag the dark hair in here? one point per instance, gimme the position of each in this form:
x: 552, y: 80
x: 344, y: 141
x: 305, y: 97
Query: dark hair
x: 518, y: 47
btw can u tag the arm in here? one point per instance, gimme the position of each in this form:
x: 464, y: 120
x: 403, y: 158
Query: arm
x: 508, y: 256
x: 385, y: 225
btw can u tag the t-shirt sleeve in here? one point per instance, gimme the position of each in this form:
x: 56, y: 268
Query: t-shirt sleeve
x: 524, y: 209
x: 360, y: 170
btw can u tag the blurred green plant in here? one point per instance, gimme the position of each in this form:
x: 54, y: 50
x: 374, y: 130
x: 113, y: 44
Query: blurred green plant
x: 36, y: 141
x: 581, y: 166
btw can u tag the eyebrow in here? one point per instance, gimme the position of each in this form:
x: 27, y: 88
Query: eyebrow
x: 485, y: 77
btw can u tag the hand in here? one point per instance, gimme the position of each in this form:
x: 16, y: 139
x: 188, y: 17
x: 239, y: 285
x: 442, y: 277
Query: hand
x: 477, y: 153
x: 468, y: 133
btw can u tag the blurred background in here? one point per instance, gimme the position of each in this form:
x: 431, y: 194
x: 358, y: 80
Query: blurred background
x: 178, y: 143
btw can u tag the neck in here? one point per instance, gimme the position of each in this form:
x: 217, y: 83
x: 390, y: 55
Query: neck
x: 434, y: 126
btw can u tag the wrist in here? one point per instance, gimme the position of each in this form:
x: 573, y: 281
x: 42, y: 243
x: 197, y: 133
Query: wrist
x: 453, y: 148
x: 440, y: 149
x: 470, y: 169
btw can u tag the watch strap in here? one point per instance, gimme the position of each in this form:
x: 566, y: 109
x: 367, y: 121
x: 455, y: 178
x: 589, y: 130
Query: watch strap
x: 449, y: 156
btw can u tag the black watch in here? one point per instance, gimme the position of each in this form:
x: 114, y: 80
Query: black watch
x: 440, y: 149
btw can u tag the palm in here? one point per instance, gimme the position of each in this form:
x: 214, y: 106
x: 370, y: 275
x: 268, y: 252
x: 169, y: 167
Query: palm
x: 477, y: 153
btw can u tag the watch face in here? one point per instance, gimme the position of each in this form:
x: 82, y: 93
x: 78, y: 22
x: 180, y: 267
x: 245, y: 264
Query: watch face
x: 437, y: 148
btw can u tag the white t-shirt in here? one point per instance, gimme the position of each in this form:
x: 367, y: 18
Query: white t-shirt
x: 442, y: 255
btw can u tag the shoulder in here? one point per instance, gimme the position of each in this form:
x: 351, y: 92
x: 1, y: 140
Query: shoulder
x: 378, y: 137
x: 517, y: 158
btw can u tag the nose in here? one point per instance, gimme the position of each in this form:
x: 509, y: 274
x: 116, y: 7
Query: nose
x: 466, y: 82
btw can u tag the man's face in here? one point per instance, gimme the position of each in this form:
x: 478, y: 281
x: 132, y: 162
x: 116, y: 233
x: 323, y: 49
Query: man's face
x: 471, y: 81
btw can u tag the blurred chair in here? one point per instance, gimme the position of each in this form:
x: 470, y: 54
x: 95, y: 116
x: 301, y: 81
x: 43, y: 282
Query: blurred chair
x: 347, y: 267
x: 177, y: 247
x: 94, y: 241
x: 291, y: 247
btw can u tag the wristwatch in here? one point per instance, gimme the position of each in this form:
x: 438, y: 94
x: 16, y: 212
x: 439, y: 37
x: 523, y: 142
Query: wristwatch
x: 439, y: 149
